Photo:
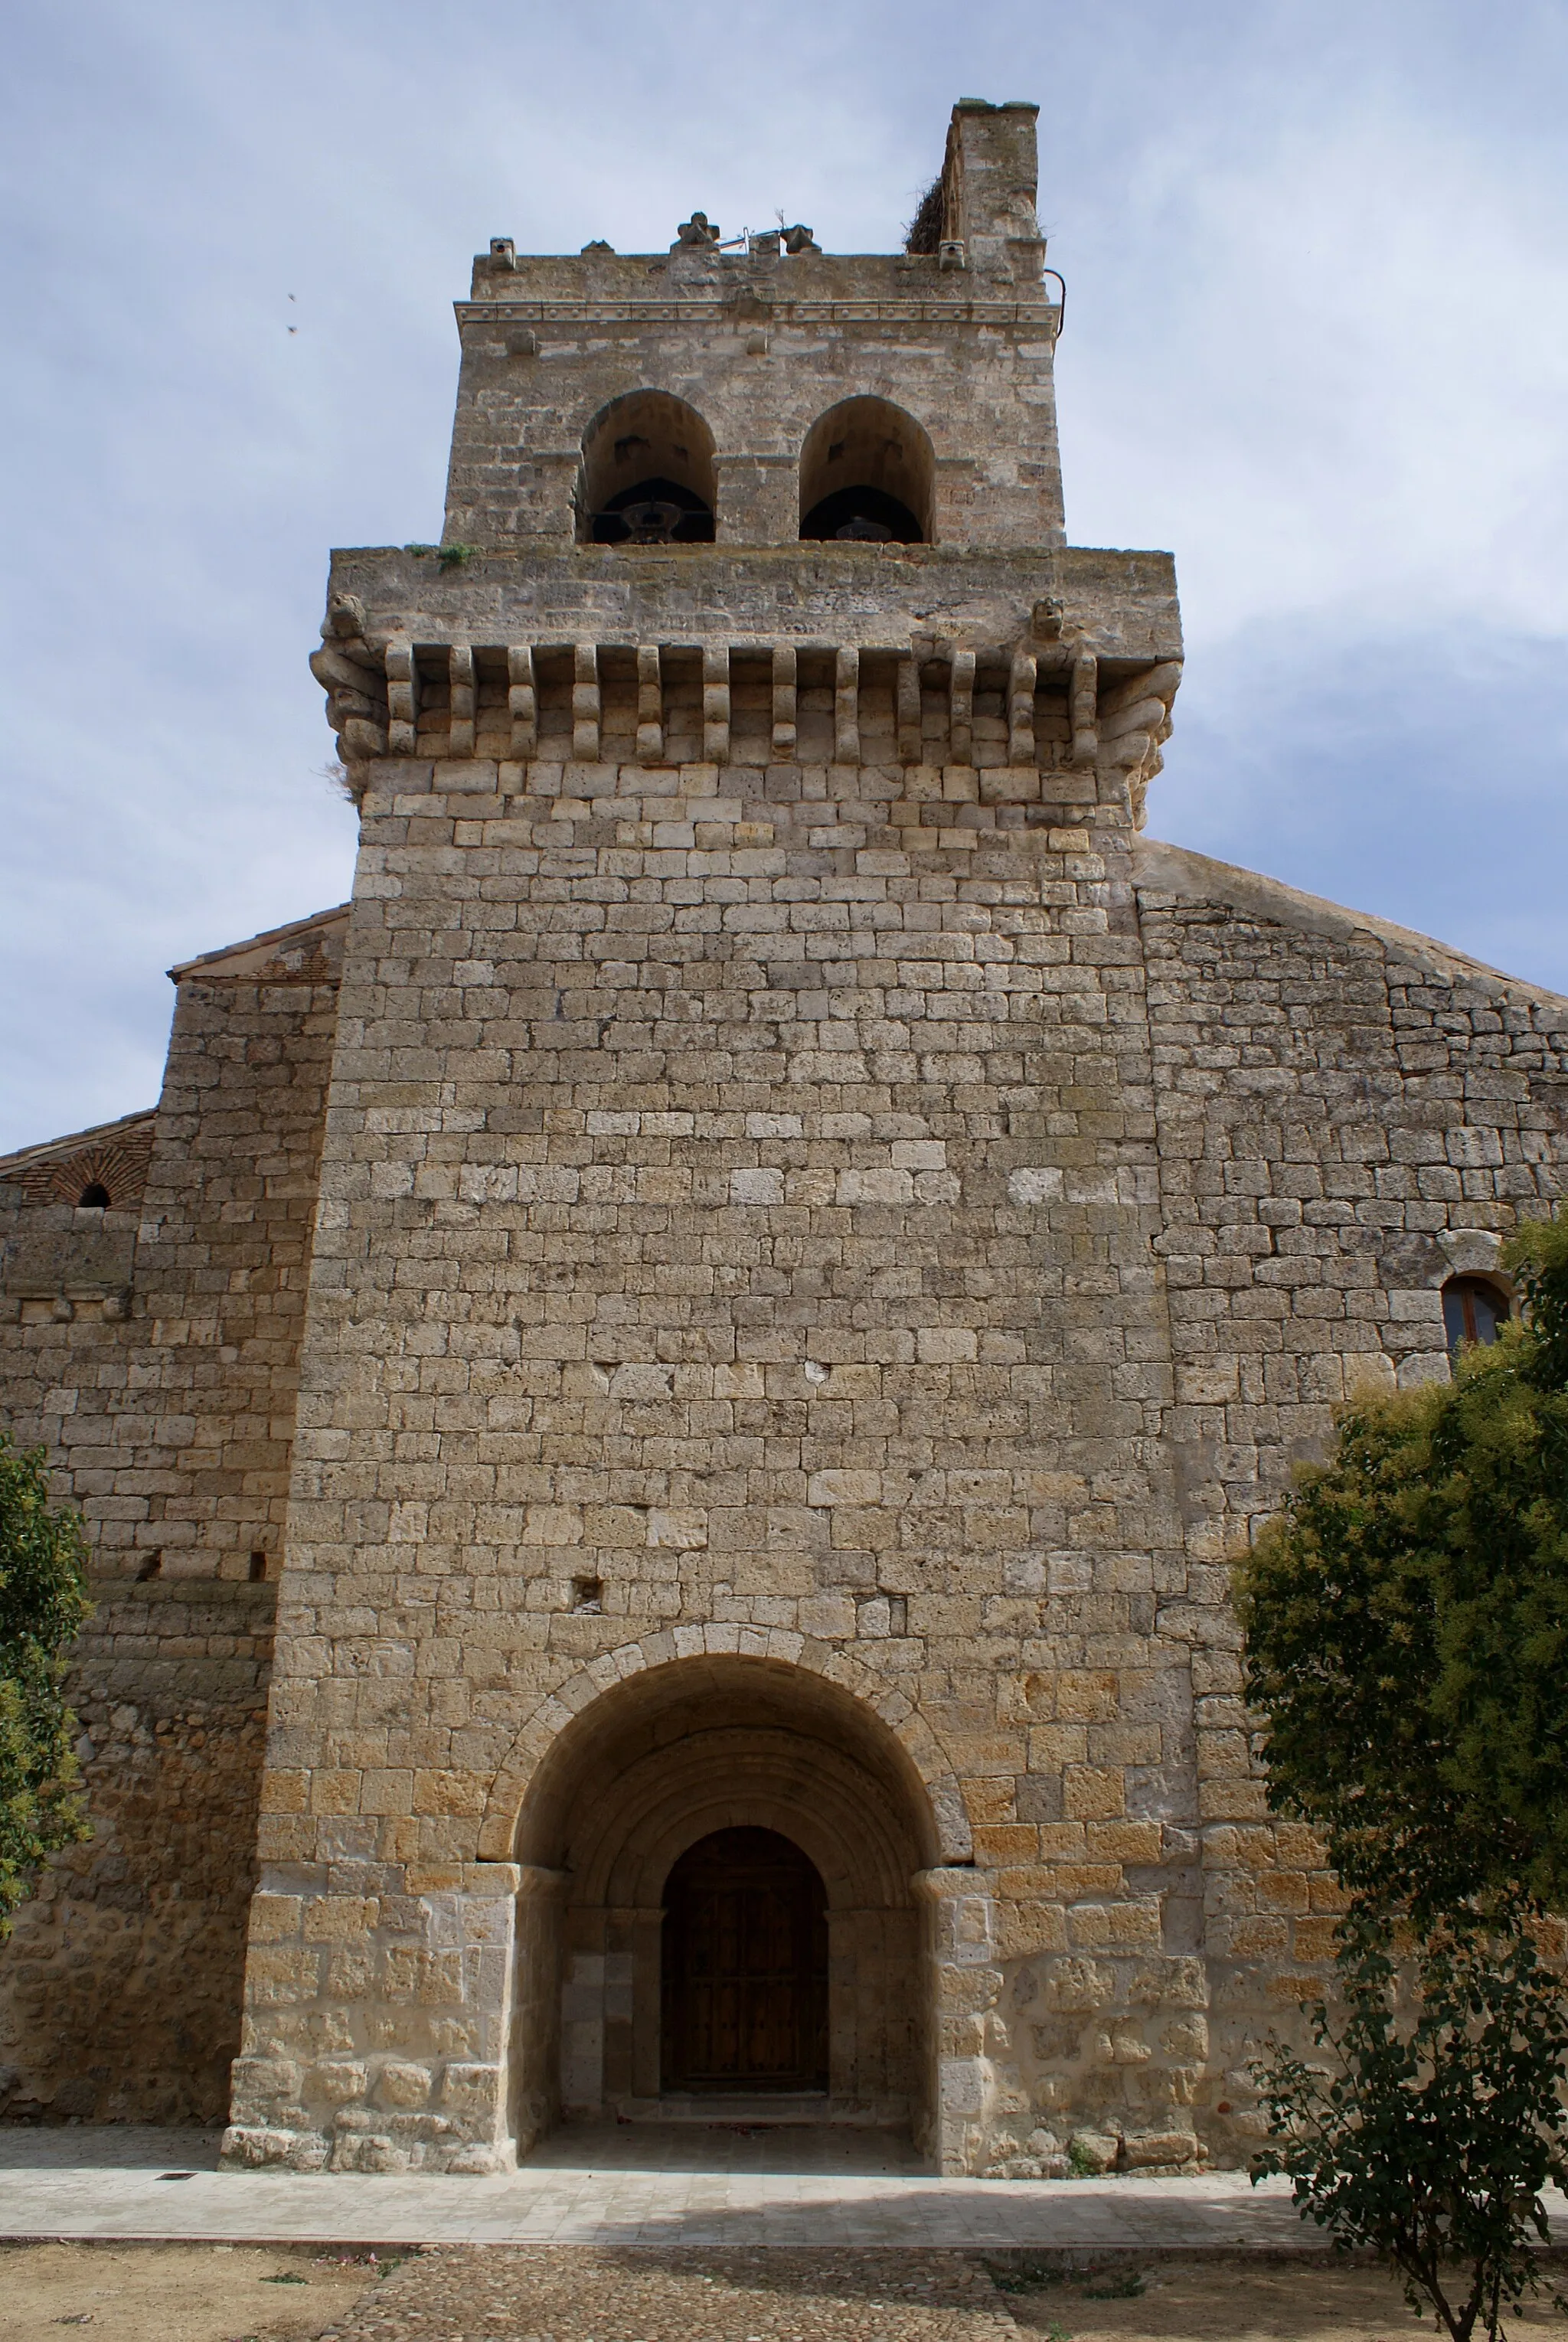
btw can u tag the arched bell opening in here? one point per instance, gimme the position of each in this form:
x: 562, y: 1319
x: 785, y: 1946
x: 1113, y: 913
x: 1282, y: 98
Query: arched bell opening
x: 867, y: 475
x: 648, y: 476
x: 720, y: 1862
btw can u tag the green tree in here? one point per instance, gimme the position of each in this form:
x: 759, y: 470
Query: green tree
x: 1440, y: 2119
x: 1406, y: 1632
x: 43, y: 1602
x: 1406, y: 1623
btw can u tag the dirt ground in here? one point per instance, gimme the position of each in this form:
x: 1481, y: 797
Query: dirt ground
x: 179, y: 2292
x: 567, y: 2293
x: 1224, y: 2297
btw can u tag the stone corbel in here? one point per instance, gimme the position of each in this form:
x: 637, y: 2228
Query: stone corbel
x: 1133, y: 724
x: 586, y: 703
x: 1021, y: 681
x: 716, y: 705
x: 460, y: 687
x: 402, y: 697
x: 846, y: 707
x: 961, y: 709
x: 785, y: 671
x: 350, y: 672
x: 1057, y: 650
x: 650, y: 705
x: 1083, y: 703
x: 911, y: 746
x: 522, y: 699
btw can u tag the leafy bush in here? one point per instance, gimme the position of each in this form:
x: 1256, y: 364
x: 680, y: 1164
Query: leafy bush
x: 43, y: 1602
x: 1442, y: 2119
x: 1406, y: 1623
x: 1406, y: 1644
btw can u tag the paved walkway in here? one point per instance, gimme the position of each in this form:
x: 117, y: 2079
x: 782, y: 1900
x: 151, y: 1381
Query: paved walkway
x: 635, y: 2185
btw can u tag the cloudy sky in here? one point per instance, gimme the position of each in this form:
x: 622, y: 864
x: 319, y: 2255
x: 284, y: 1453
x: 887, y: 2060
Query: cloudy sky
x: 1317, y: 344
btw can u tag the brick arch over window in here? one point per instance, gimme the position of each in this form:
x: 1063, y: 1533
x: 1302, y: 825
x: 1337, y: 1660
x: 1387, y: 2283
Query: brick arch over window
x: 851, y: 1690
x: 119, y: 1166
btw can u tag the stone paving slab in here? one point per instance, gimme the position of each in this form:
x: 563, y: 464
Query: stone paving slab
x: 612, y: 2188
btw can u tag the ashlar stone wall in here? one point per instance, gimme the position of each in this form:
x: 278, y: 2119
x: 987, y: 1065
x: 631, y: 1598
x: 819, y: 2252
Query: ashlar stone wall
x: 737, y: 1230
x: 119, y: 1986
x: 1348, y: 1114
x: 153, y: 1350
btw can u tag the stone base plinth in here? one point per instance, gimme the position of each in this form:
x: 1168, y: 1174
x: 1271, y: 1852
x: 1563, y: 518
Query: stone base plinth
x: 377, y: 2020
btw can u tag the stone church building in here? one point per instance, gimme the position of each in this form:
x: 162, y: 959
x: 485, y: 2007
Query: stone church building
x: 662, y: 1400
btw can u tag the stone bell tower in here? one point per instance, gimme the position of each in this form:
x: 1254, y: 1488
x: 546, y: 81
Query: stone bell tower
x: 731, y: 1388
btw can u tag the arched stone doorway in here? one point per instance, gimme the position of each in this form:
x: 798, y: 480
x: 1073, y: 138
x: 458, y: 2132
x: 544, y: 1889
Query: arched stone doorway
x: 720, y: 1769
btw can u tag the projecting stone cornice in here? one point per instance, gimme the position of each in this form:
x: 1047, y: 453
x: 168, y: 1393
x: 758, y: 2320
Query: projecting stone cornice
x: 1039, y: 658
x: 1040, y: 704
x: 1038, y: 316
x: 1120, y: 605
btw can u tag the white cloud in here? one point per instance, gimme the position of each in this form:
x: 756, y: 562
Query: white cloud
x: 1338, y: 377
x: 1314, y: 342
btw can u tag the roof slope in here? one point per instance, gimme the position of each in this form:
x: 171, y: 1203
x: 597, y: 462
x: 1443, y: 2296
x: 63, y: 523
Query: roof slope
x: 114, y: 1156
x: 1159, y: 868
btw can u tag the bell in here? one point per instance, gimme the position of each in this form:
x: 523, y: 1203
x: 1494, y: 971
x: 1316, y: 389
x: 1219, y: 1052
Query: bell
x: 860, y: 531
x: 652, y: 521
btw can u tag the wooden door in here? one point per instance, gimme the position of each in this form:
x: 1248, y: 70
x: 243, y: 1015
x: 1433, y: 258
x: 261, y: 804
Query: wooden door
x: 744, y: 1966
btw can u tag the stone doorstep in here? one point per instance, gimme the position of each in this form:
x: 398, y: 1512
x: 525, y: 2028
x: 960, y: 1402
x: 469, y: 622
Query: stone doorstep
x: 778, y: 2109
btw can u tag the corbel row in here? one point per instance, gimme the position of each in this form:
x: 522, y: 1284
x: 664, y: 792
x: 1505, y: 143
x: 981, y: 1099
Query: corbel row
x: 1025, y: 674
x: 587, y: 704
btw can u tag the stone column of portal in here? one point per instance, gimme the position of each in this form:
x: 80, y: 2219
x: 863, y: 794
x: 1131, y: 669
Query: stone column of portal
x: 535, y: 2028
x: 965, y: 1984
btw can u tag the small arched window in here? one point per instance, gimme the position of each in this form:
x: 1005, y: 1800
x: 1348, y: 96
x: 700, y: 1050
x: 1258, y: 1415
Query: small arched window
x: 866, y: 476
x: 648, y: 475
x: 1474, y: 1309
x: 94, y: 1197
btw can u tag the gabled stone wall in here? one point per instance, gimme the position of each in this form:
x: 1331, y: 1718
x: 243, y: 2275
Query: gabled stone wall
x: 154, y: 1353
x: 1348, y: 1114
x: 154, y: 1350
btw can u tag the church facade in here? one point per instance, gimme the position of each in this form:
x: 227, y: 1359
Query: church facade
x: 664, y: 1400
